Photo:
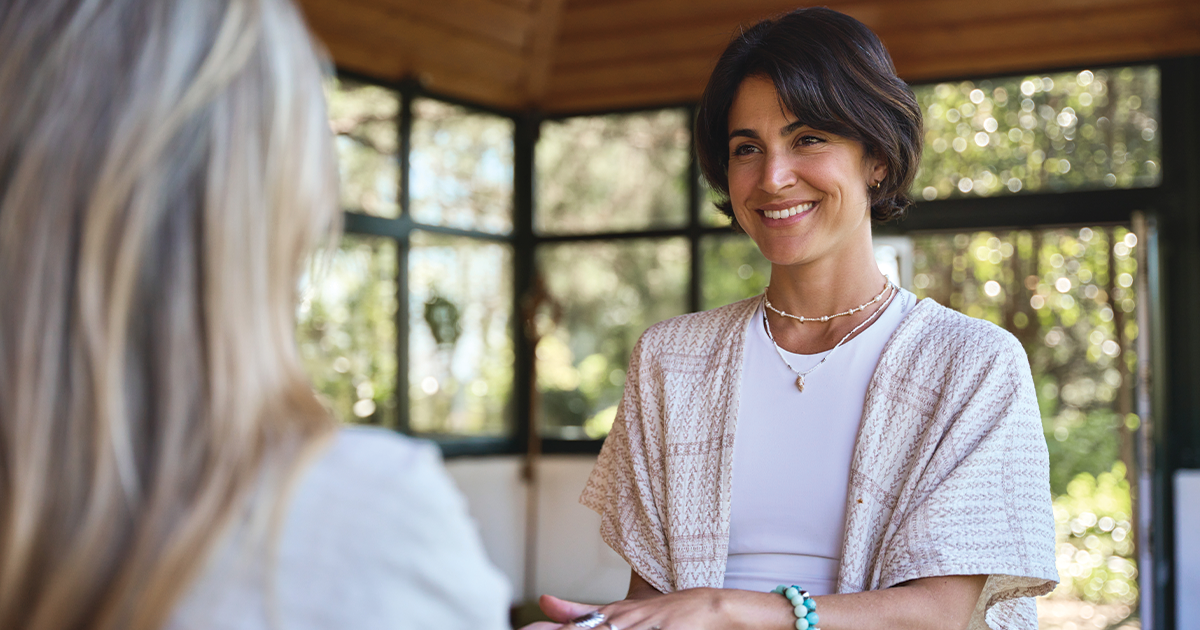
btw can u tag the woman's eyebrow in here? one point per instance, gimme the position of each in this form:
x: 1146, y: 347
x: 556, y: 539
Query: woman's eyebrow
x: 753, y: 135
x: 788, y: 129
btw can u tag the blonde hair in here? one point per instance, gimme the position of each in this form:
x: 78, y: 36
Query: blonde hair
x: 165, y: 167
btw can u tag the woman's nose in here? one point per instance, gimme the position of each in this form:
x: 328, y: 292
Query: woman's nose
x: 778, y: 174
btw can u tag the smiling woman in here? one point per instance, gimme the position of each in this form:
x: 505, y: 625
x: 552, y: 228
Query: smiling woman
x: 854, y: 480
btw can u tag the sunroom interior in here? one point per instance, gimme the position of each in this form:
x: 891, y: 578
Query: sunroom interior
x: 522, y: 200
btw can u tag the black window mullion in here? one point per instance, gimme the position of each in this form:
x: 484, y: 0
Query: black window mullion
x: 694, y: 229
x: 525, y: 132
x: 403, y: 244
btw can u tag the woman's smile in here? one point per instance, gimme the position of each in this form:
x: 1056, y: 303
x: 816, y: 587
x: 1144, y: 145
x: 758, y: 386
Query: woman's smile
x: 786, y: 213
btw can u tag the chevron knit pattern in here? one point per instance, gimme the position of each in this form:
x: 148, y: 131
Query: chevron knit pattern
x: 950, y: 474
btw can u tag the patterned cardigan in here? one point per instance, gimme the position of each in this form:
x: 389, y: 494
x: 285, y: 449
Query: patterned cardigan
x: 949, y: 475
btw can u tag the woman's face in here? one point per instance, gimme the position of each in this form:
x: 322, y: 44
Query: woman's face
x: 800, y: 193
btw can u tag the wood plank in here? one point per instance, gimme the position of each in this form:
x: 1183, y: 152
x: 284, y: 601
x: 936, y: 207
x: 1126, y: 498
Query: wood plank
x: 524, y: 5
x: 650, y: 95
x: 426, y: 44
x: 701, y: 39
x: 476, y: 89
x: 493, y: 21
x: 369, y: 60
x: 1026, y: 36
x: 648, y: 15
x: 618, y: 76
x: 363, y: 59
x: 540, y: 56
x: 707, y: 38
x: 691, y: 36
x: 1137, y: 48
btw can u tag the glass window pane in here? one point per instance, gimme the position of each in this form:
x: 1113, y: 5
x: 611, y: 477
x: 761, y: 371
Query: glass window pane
x: 1041, y: 133
x: 1068, y: 296
x: 347, y: 328
x: 364, y: 118
x: 603, y: 295
x: 733, y: 269
x: 462, y: 167
x: 460, y: 344
x: 613, y: 173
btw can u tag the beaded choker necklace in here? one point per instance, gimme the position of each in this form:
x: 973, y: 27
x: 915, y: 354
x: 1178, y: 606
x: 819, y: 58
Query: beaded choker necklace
x: 824, y: 318
x: 800, y: 375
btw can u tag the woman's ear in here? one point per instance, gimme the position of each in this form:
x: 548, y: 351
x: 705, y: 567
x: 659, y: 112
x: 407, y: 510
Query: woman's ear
x: 878, y: 172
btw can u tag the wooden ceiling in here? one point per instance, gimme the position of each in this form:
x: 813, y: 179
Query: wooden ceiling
x: 562, y: 56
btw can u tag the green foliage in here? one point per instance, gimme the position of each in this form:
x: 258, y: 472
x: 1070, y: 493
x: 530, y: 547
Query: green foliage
x: 364, y: 119
x: 613, y: 173
x: 605, y: 294
x: 346, y: 329
x: 460, y: 347
x: 733, y: 269
x: 462, y: 167
x: 1095, y: 538
x: 1063, y: 131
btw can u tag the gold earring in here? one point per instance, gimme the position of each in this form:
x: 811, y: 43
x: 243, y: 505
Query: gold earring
x: 877, y: 185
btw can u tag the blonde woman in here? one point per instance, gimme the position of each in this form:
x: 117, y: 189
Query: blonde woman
x: 165, y: 168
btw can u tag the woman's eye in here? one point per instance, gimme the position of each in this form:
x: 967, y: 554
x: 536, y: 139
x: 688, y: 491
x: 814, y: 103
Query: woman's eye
x: 744, y: 149
x: 810, y: 140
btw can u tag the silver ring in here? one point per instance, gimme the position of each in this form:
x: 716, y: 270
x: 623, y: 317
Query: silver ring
x: 590, y: 620
x: 610, y: 625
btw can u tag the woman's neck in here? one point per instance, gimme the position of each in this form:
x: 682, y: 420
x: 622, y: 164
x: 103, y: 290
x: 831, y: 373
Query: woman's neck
x: 827, y: 286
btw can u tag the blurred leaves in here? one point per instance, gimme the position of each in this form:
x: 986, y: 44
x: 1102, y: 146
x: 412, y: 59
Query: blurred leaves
x: 613, y: 173
x: 346, y: 328
x: 460, y: 347
x: 363, y: 117
x: 611, y: 292
x: 1095, y: 546
x: 462, y: 167
x: 1040, y: 133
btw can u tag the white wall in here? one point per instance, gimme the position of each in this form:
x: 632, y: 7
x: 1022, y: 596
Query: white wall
x: 572, y: 561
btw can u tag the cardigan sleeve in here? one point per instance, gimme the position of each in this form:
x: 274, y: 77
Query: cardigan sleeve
x: 981, y: 504
x: 622, y: 488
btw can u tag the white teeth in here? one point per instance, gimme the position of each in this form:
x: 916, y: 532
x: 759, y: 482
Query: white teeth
x: 789, y: 212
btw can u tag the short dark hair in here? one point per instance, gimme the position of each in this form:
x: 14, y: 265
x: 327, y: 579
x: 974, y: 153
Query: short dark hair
x: 833, y: 74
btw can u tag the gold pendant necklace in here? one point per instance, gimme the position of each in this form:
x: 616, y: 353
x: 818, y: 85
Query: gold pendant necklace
x: 800, y: 375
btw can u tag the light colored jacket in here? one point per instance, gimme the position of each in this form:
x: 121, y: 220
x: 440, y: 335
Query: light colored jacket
x: 376, y: 537
x: 950, y: 473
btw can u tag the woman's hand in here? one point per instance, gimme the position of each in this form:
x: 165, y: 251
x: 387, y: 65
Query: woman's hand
x: 690, y: 609
x: 935, y: 603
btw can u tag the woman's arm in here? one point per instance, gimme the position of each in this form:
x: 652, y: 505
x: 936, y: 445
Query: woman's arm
x: 936, y: 603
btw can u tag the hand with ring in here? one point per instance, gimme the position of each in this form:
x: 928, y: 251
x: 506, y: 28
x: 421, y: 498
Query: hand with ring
x: 690, y: 609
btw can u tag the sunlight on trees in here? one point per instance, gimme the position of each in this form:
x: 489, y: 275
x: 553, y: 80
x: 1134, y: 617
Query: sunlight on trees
x: 1040, y: 133
x: 346, y: 328
x: 363, y: 117
x: 460, y: 347
x: 613, y: 173
x: 462, y: 167
x: 610, y: 292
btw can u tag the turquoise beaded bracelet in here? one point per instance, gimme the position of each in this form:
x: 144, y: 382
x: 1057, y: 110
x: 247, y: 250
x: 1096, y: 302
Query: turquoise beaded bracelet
x: 803, y: 605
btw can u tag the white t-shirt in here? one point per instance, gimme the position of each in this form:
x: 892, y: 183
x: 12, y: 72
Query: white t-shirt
x: 376, y: 537
x: 791, y: 456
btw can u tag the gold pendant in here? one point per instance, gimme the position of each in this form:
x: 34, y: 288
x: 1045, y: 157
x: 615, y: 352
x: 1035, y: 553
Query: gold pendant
x: 800, y: 382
